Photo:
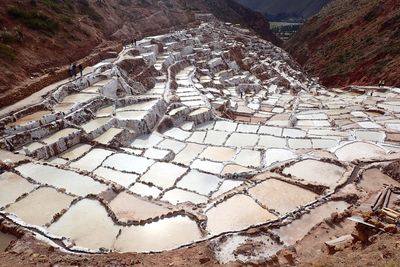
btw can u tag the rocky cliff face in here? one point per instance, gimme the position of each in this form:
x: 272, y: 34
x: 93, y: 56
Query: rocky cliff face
x: 351, y: 42
x: 38, y: 37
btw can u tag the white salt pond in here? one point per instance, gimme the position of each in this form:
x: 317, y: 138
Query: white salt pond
x: 29, y: 118
x: 177, y: 195
x: 281, y: 196
x: 236, y: 213
x: 128, y: 163
x: 12, y: 186
x: 359, y: 150
x: 130, y: 208
x: 199, y: 182
x: 71, y: 181
x: 165, y: 234
x: 316, y: 171
x: 39, y: 207
x: 87, y: 224
x: 299, y: 228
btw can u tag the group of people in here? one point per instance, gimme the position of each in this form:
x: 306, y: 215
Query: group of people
x: 73, y: 70
x: 381, y: 83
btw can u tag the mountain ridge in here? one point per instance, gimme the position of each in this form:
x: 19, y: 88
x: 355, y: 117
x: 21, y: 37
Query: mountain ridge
x: 357, y: 47
x: 274, y: 8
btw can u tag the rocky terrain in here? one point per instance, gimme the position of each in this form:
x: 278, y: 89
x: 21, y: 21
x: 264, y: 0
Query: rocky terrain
x: 39, y: 38
x: 351, y: 42
x: 205, y: 145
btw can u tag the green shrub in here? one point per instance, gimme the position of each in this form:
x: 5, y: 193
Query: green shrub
x: 34, y: 20
x: 7, y: 53
x: 53, y: 4
x: 86, y: 8
x: 8, y: 38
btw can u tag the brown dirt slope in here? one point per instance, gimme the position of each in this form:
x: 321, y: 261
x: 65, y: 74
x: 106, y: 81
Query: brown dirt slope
x: 38, y: 37
x: 351, y: 42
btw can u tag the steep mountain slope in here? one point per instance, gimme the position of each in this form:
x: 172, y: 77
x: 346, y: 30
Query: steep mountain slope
x: 299, y: 8
x: 351, y: 42
x: 39, y: 36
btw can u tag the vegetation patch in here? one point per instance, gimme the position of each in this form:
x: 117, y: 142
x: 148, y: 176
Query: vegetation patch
x: 7, y: 53
x: 34, y: 20
x: 53, y: 4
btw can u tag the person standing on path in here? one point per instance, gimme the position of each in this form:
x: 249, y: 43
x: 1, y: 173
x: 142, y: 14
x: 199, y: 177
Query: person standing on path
x: 70, y: 71
x: 80, y: 67
x: 74, y: 70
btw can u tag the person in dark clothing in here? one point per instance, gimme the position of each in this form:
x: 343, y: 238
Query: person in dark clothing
x: 70, y: 71
x: 74, y: 70
x: 80, y: 67
x: 134, y: 40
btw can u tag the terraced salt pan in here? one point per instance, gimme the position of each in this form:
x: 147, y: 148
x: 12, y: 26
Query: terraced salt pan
x: 296, y: 230
x: 87, y: 223
x: 226, y: 186
x: 158, y: 154
x: 104, y: 112
x: 300, y: 143
x: 39, y: 207
x: 207, y: 166
x: 199, y: 182
x: 359, y: 150
x: 242, y: 140
x: 130, y: 208
x: 225, y: 126
x: 266, y: 141
x: 316, y: 171
x: 63, y: 107
x: 95, y: 124
x: 236, y: 213
x: 165, y: 234
x: 75, y: 152
x: 218, y: 153
x: 163, y: 174
x: 274, y: 155
x: 370, y: 136
x: 12, y: 186
x: 145, y: 190
x: 73, y: 182
x: 131, y: 115
x: 177, y: 133
x: 216, y: 138
x: 270, y: 130
x: 108, y: 135
x: 91, y: 160
x: 139, y: 106
x: 175, y: 146
x: 235, y: 169
x: 178, y: 195
x: 58, y: 135
x: 281, y: 196
x: 29, y: 118
x: 188, y: 154
x: 79, y: 98
x: 121, y: 178
x: 147, y: 141
x: 128, y: 163
x: 249, y: 158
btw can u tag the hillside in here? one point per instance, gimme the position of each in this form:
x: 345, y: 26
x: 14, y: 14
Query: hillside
x: 342, y: 47
x: 286, y: 8
x: 39, y: 37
